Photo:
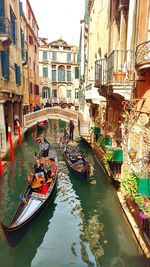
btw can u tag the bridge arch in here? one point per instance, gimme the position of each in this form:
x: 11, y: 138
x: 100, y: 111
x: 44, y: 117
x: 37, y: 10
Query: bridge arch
x: 49, y: 113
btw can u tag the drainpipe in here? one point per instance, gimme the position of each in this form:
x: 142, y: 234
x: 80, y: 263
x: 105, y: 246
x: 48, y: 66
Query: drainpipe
x: 130, y: 31
x: 136, y: 38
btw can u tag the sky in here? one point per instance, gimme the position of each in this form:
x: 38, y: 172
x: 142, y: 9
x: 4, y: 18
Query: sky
x: 59, y: 19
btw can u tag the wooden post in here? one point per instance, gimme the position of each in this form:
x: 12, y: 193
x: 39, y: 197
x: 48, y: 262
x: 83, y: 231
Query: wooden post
x: 11, y: 144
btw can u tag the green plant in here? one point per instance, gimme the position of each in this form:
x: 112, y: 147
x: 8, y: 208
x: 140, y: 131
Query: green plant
x: 109, y: 155
x: 128, y: 185
x: 129, y: 188
x: 101, y: 142
x: 144, y: 207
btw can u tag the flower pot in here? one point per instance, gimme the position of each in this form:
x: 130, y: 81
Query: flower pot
x: 98, y: 83
x: 119, y: 76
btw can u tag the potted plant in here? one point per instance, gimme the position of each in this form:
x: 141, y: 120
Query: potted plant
x: 119, y: 75
x: 109, y: 155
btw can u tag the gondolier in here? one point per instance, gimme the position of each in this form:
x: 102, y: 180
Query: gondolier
x: 44, y: 147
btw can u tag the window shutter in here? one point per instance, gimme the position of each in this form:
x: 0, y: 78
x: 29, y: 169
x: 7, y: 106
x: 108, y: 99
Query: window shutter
x: 49, y: 93
x: 5, y: 64
x: 78, y: 58
x: 43, y: 92
x: 2, y: 8
x: 20, y: 8
x: 76, y: 73
x: 17, y: 74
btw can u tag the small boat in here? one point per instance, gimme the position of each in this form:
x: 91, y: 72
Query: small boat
x: 34, y: 199
x: 42, y: 124
x: 76, y: 159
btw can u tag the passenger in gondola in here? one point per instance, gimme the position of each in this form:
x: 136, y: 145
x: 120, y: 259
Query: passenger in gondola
x: 39, y: 170
x: 47, y: 169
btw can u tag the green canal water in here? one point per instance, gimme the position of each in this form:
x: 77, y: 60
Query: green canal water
x: 83, y: 225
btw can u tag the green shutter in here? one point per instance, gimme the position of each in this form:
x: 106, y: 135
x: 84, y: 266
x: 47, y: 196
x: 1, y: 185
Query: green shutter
x: 76, y: 73
x: 5, y: 64
x: 78, y: 58
x: 17, y: 74
x: 49, y: 93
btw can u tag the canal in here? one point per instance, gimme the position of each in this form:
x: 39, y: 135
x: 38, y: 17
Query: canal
x: 83, y: 226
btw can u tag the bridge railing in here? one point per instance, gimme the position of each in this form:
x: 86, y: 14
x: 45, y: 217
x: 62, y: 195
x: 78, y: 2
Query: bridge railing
x: 49, y: 113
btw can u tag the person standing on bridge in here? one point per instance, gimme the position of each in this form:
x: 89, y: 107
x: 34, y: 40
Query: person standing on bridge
x: 71, y: 129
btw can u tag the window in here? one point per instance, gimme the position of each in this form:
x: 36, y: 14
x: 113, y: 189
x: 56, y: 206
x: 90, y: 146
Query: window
x: 36, y: 89
x: 13, y: 25
x: 30, y: 87
x: 17, y: 74
x: 55, y: 93
x: 5, y: 64
x: 34, y: 66
x: 30, y: 40
x: 76, y: 93
x: 68, y: 93
x: 45, y: 56
x: 46, y: 92
x: 22, y: 39
x: 45, y: 72
x: 54, y: 56
x: 53, y: 73
x: 78, y: 58
x: 76, y: 72
x: 68, y: 73
x: 61, y: 73
x: 68, y: 57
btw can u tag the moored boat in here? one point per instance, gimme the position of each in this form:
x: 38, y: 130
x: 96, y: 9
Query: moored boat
x: 42, y: 124
x: 36, y: 196
x: 76, y: 159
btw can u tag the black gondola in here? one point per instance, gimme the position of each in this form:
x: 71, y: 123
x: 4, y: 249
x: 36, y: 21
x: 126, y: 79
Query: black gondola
x: 76, y: 159
x: 33, y: 201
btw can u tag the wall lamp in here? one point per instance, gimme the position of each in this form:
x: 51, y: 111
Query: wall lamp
x: 111, y: 135
x: 132, y: 153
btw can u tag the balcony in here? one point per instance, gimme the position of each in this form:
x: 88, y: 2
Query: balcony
x: 6, y: 33
x: 92, y: 95
x: 115, y: 72
x: 142, y: 56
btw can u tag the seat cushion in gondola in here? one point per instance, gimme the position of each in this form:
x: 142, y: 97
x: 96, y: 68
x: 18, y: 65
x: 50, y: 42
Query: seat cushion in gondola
x: 44, y: 188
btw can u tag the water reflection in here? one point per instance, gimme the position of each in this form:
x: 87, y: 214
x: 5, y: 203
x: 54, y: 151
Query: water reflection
x: 23, y: 254
x: 85, y: 225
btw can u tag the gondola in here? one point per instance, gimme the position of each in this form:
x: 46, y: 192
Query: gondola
x: 34, y: 199
x: 42, y: 124
x: 76, y: 159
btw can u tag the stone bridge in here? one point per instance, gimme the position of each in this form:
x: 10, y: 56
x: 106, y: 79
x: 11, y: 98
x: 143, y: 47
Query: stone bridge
x: 50, y: 113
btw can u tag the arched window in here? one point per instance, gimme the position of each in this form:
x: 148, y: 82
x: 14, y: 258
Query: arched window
x: 61, y: 73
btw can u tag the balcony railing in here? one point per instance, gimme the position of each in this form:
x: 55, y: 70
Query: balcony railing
x: 118, y: 62
x: 6, y: 29
x: 65, y: 100
x: 142, y: 55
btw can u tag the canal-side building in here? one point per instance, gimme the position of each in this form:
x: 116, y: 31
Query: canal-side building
x: 11, y: 80
x: 59, y: 73
x: 95, y: 39
x: 31, y: 54
x: 139, y: 118
x: 118, y: 63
